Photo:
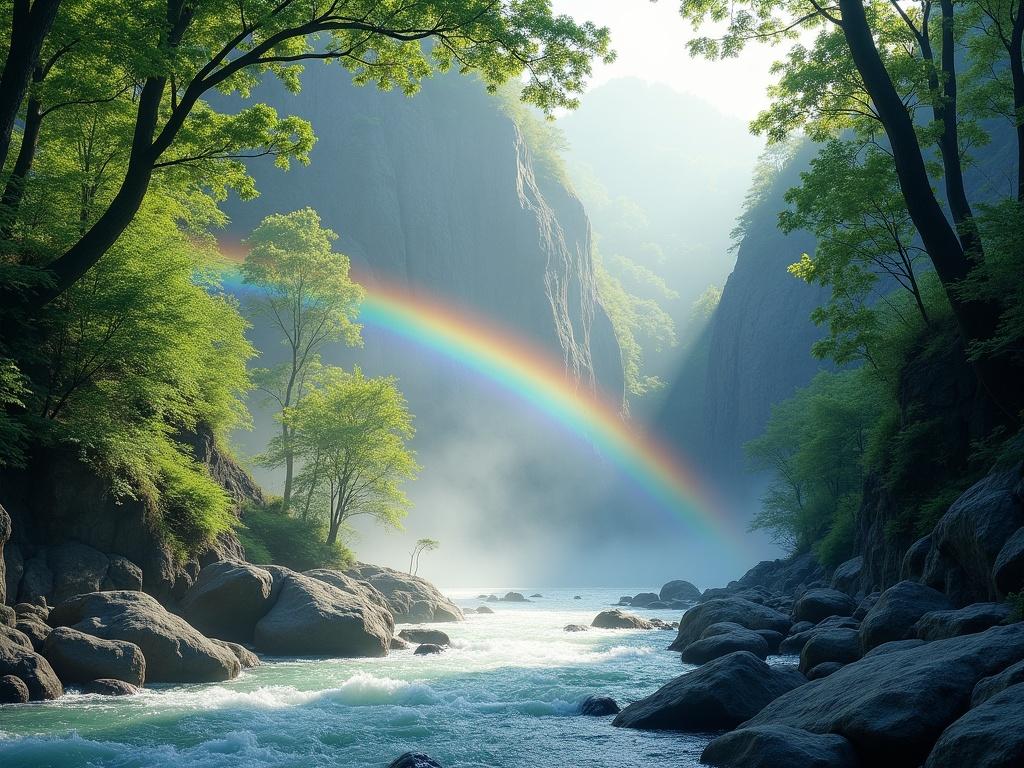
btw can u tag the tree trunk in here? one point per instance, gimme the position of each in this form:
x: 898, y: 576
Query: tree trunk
x: 14, y: 190
x: 30, y: 26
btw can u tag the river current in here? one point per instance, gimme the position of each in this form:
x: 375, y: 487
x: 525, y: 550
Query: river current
x: 505, y: 694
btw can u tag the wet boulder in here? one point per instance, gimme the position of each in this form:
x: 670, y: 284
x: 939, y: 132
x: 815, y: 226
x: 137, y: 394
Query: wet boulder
x: 772, y: 638
x: 898, y: 609
x: 988, y: 687
x: 428, y: 649
x: 110, y: 687
x: 824, y: 669
x: 1008, y: 570
x: 246, y: 658
x: 779, y: 747
x: 175, y: 651
x: 398, y: 644
x: 724, y: 638
x: 893, y: 706
x: 715, y: 696
x: 227, y: 599
x: 830, y: 644
x: 618, y: 619
x: 815, y: 605
x: 78, y: 658
x: 846, y: 577
x: 484, y: 609
x: 414, y: 760
x: 13, y: 690
x: 978, y: 617
x: 599, y: 706
x: 31, y: 668
x: 312, y: 617
x: 411, y: 599
x: 643, y: 600
x: 679, y: 590
x: 727, y: 609
x: 989, y: 736
x: 435, y: 636
x: 865, y: 605
x: 513, y: 597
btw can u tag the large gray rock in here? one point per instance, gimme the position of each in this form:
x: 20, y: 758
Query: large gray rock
x: 618, y: 619
x: 35, y: 629
x: 315, y: 618
x: 13, y: 690
x: 847, y: 576
x: 1008, y: 571
x: 122, y: 573
x: 989, y: 736
x: 967, y: 539
x: 830, y: 644
x: 78, y: 658
x: 108, y: 686
x: 818, y: 604
x: 16, y: 636
x: 346, y: 583
x: 411, y: 599
x: 779, y: 747
x: 175, y: 651
x: 36, y: 579
x: 679, y: 590
x: 76, y: 568
x: 988, y: 687
x: 599, y: 706
x: 893, y: 706
x: 643, y: 599
x: 31, y: 668
x: 897, y: 611
x: 733, y: 609
x: 718, y: 695
x: 227, y: 600
x: 435, y: 636
x: 246, y: 658
x: 978, y: 617
x: 724, y: 638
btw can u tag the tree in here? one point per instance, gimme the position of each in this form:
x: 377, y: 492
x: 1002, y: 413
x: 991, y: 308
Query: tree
x: 308, y: 296
x: 421, y: 546
x: 175, y: 52
x: 351, y: 432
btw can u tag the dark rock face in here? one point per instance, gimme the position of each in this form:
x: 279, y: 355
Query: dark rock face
x: 679, y: 590
x: 824, y: 669
x: 428, y: 649
x: 398, y: 644
x: 311, y: 617
x: 227, y: 600
x: 897, y: 611
x: 15, y: 636
x: 412, y: 600
x: 414, y: 760
x: 78, y: 658
x: 718, y: 695
x: 779, y: 747
x: 13, y: 690
x: 435, y: 636
x: 174, y: 650
x: 31, y: 668
x: 866, y: 605
x: 989, y: 686
x: 772, y: 638
x: 110, y: 687
x: 939, y: 625
x: 1008, y: 571
x: 643, y: 600
x: 989, y: 736
x: 731, y: 609
x: 77, y: 569
x: 818, y: 604
x: 893, y: 706
x: 724, y: 638
x: 35, y: 629
x: 894, y: 645
x: 619, y: 620
x: 967, y: 540
x: 912, y: 567
x: 599, y: 706
x: 5, y: 534
x: 829, y: 644
x: 847, y: 576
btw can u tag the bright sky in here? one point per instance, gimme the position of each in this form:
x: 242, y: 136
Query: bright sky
x: 650, y: 40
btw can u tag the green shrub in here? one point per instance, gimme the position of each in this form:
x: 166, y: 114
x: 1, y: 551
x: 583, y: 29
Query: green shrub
x: 191, y: 508
x: 272, y: 536
x: 837, y: 546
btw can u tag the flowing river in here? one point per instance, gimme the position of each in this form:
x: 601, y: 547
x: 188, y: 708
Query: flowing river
x: 505, y: 694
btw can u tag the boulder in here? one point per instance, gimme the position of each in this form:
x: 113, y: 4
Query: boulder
x: 718, y: 695
x: 513, y: 597
x: 122, y: 573
x: 865, y: 605
x: 894, y: 645
x: 824, y: 669
x: 989, y: 736
x: 794, y: 644
x: 988, y: 687
x: 110, y: 687
x: 536, y: 594
x: 35, y: 629
x: 829, y: 644
x: 427, y: 649
x: 29, y: 609
x: 312, y: 617
x: 414, y: 760
x: 36, y: 580
x: 800, y: 626
x: 77, y: 569
x: 779, y: 747
x: 818, y: 604
x: 978, y: 617
x: 783, y: 576
x: 773, y: 638
x: 1008, y: 570
x: 227, y: 599
x: 16, y: 636
x: 617, y: 619
x: 724, y: 638
x: 599, y: 706
x: 679, y: 590
x: 913, y: 563
x: 174, y: 650
x: 846, y: 577
x: 435, y: 636
x: 398, y: 644
x: 78, y: 658
x: 13, y: 690
x: 246, y: 658
x: 658, y: 605
x: 577, y: 597
x: 897, y: 611
x: 33, y: 670
x: 893, y: 706
x: 574, y: 628
x: 8, y: 616
x: 643, y: 600
x: 734, y: 609
x: 410, y: 598
x: 484, y: 609
x: 968, y: 539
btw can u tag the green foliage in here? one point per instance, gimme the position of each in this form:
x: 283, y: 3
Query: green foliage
x: 1016, y: 601
x: 271, y: 535
x: 837, y: 545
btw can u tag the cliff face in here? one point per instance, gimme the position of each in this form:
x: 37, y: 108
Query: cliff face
x: 440, y: 194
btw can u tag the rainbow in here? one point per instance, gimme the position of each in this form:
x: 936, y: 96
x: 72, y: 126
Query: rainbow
x: 533, y: 377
